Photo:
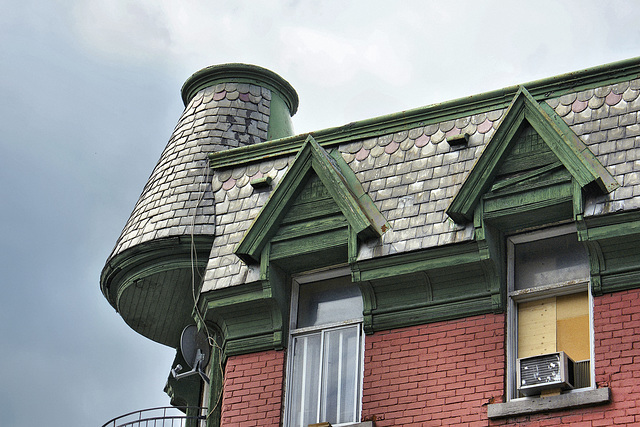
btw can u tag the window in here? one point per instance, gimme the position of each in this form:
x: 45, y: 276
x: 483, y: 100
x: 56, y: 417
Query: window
x: 549, y: 307
x: 325, y: 352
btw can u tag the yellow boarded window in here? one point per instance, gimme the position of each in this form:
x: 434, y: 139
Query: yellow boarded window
x: 555, y: 324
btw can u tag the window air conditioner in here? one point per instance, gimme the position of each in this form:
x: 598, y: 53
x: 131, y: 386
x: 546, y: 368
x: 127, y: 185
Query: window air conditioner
x: 547, y: 371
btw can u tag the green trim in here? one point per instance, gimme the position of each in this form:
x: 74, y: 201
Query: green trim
x: 569, y: 149
x: 149, y: 258
x: 252, y: 316
x: 216, y: 379
x: 150, y: 285
x: 363, y: 217
x: 426, y: 286
x: 462, y: 107
x: 280, y: 125
x: 422, y: 313
x: 613, y: 241
x: 397, y: 291
x: 412, y: 262
x: 239, y: 73
x: 612, y: 225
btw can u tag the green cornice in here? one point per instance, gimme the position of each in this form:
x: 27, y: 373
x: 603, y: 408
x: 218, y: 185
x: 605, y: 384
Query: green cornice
x: 251, y: 316
x: 239, y: 73
x: 612, y: 225
x: 613, y: 241
x: 410, y: 262
x: 539, y: 89
x: 149, y: 257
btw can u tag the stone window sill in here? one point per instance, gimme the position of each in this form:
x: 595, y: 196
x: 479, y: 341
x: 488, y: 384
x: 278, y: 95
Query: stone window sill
x: 553, y: 403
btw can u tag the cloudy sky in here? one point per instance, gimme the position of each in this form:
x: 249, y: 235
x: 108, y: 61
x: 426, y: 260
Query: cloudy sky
x: 89, y: 95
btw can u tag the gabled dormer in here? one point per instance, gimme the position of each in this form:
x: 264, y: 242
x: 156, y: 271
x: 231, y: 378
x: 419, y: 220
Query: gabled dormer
x: 315, y: 217
x: 533, y: 172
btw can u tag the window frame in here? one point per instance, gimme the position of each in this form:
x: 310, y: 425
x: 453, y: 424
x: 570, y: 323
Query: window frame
x: 514, y: 297
x: 305, y: 279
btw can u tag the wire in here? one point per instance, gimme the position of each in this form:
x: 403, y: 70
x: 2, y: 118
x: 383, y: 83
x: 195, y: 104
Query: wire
x: 194, y: 260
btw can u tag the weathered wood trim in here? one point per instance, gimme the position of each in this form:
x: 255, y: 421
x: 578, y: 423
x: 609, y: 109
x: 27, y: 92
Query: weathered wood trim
x: 613, y: 242
x: 170, y: 264
x: 361, y: 214
x: 563, y: 142
x: 251, y: 316
x: 412, y: 262
x: 422, y: 277
x: 431, y: 311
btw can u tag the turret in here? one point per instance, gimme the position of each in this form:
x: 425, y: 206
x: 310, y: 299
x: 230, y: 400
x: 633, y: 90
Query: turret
x: 155, y: 270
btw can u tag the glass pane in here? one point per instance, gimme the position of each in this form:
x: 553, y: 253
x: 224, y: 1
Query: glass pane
x: 340, y: 375
x: 549, y: 261
x: 328, y: 301
x: 305, y: 381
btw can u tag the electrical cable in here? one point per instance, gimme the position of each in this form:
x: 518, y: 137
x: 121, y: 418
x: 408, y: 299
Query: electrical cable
x: 194, y: 260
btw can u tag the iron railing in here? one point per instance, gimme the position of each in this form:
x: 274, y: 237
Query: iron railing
x: 166, y: 416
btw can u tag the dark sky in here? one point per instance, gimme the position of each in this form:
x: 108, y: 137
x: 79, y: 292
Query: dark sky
x: 89, y: 95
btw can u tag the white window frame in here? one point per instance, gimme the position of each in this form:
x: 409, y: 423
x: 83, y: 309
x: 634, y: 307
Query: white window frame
x: 308, y: 278
x: 518, y: 296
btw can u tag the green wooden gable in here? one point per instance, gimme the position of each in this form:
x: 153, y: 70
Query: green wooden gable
x: 315, y: 216
x: 529, y: 167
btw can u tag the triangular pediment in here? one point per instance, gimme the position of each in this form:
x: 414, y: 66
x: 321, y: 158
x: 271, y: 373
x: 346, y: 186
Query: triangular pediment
x: 532, y: 147
x: 318, y: 202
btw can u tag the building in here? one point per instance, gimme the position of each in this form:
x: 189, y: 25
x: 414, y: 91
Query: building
x: 474, y: 262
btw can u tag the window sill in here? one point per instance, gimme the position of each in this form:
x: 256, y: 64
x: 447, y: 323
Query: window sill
x: 542, y: 404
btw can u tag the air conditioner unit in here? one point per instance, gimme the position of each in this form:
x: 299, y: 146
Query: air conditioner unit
x: 547, y: 371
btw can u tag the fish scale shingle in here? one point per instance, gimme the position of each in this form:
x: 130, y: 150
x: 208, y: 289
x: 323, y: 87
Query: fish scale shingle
x: 412, y: 175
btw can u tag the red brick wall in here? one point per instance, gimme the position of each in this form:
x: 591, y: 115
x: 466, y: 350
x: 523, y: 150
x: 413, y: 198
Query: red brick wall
x: 436, y: 374
x: 445, y: 373
x: 253, y: 389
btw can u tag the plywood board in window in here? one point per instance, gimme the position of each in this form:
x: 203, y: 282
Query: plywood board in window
x: 573, y: 325
x: 537, y: 327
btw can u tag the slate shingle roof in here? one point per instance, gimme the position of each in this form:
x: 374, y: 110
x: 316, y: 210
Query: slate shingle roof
x: 177, y: 199
x: 413, y: 175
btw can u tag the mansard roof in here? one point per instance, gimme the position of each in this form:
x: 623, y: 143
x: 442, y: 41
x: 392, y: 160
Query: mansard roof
x: 406, y: 165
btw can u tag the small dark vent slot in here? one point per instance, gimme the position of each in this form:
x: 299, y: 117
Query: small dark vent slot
x: 582, y: 373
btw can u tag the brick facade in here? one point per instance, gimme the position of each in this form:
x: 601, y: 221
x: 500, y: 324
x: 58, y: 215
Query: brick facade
x: 253, y: 389
x: 616, y: 318
x: 435, y: 374
x: 445, y: 373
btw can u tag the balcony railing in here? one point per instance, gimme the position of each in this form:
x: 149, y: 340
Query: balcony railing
x: 167, y: 416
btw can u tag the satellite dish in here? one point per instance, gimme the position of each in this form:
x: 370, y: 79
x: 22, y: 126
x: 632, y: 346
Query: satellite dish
x: 193, y: 341
x: 194, y: 346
